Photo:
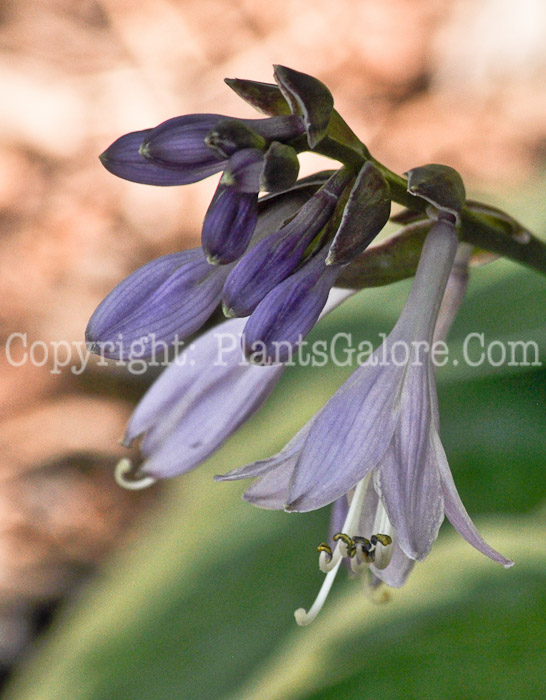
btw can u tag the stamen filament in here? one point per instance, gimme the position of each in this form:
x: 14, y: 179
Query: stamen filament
x: 302, y: 616
x: 351, y: 521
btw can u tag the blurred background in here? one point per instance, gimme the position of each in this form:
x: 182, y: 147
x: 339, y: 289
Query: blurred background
x: 184, y: 591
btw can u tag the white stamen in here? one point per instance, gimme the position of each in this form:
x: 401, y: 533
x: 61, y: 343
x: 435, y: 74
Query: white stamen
x: 302, y: 616
x: 324, y: 560
x: 124, y: 469
x: 305, y: 618
x: 351, y: 521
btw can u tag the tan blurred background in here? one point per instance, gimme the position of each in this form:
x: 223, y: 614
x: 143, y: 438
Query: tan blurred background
x: 459, y: 82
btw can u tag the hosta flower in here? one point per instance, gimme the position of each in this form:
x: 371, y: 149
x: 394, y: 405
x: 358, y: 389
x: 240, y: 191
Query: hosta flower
x: 376, y: 443
x: 163, y: 301
x: 198, y: 402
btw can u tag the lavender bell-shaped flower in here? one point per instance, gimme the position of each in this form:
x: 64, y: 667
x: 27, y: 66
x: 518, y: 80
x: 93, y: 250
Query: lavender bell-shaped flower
x: 164, y: 301
x: 377, y: 443
x: 197, y: 403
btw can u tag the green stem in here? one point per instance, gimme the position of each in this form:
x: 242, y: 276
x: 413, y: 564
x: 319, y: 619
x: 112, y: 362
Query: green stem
x: 480, y: 230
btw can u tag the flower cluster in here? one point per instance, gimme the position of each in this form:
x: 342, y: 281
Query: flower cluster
x: 280, y: 275
x: 374, y: 450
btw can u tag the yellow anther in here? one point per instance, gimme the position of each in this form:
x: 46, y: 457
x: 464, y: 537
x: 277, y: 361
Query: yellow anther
x: 385, y: 540
x: 344, y: 538
x: 323, y: 547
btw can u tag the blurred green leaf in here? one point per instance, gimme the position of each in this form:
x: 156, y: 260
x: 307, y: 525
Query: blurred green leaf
x: 490, y: 643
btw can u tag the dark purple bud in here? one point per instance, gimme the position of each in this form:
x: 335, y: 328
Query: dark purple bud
x: 276, y: 257
x: 280, y: 168
x: 310, y: 98
x: 180, y: 142
x: 123, y: 159
x: 231, y: 135
x: 243, y: 172
x: 264, y: 97
x: 366, y: 213
x: 166, y: 300
x: 287, y: 314
x: 440, y: 185
x: 229, y: 224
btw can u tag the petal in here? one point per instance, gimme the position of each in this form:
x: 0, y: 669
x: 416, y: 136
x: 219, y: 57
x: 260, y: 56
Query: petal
x: 229, y: 224
x: 213, y: 352
x: 408, y: 480
x: 205, y: 418
x: 243, y: 171
x: 398, y: 570
x: 270, y: 490
x: 287, y: 457
x: 123, y: 159
x: 350, y: 435
x: 456, y: 512
x: 161, y: 302
x: 180, y: 141
x: 290, y: 310
x: 338, y: 516
x: 198, y: 402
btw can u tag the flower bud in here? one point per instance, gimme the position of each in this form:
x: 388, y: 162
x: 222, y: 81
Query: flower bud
x: 264, y: 97
x: 440, y: 185
x: 280, y: 168
x: 287, y: 314
x: 366, y: 213
x: 277, y: 256
x: 180, y: 141
x: 244, y: 170
x: 166, y: 300
x: 229, y: 224
x: 230, y: 135
x: 124, y: 159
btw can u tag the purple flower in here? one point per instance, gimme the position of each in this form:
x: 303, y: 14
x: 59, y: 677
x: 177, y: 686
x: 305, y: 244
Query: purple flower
x: 289, y: 311
x: 279, y: 254
x: 376, y: 443
x: 167, y: 299
x: 197, y: 403
x: 143, y: 157
x: 229, y: 225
